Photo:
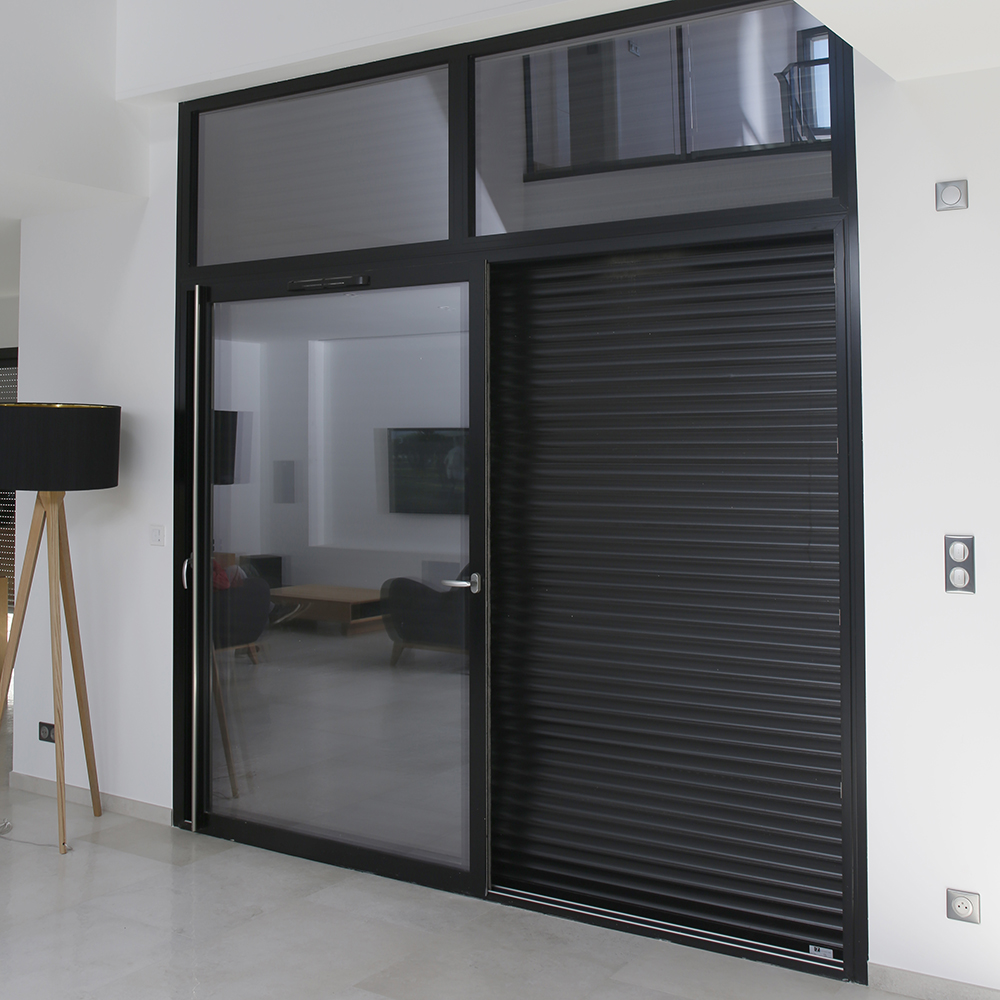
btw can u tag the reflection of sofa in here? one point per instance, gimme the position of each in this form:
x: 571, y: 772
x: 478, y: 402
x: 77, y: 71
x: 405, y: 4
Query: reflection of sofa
x: 418, y: 616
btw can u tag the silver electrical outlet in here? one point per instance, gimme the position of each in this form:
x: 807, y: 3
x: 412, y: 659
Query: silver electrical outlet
x: 963, y: 906
x: 959, y: 564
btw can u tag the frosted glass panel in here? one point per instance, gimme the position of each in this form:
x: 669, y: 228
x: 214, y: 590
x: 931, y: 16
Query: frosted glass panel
x: 357, y: 166
x: 653, y: 121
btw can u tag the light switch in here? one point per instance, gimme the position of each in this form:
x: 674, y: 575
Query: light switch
x: 950, y: 196
x: 959, y: 564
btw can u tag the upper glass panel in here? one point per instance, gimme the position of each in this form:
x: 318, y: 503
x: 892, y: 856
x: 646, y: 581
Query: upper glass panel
x: 355, y: 166
x: 616, y: 126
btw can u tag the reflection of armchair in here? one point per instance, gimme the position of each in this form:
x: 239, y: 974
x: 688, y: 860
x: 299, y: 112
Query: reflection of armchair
x: 418, y: 616
x: 239, y: 614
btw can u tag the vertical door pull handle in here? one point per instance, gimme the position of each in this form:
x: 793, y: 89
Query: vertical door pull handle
x: 196, y: 554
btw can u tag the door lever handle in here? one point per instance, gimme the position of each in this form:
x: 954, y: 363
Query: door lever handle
x: 474, y: 583
x: 184, y: 572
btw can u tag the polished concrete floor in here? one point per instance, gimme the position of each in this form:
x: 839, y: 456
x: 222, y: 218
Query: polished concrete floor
x: 327, y: 738
x: 141, y: 911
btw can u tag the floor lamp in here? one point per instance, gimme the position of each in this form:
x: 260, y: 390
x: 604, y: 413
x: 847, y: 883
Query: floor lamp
x: 54, y: 448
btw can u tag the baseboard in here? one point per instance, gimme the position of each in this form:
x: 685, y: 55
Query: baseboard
x: 132, y: 808
x: 916, y: 984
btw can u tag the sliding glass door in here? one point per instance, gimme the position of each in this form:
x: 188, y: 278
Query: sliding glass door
x: 336, y: 673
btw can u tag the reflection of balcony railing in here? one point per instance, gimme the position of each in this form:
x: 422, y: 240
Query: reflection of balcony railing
x: 799, y: 106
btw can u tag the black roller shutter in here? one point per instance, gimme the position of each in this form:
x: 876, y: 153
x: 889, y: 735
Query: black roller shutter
x: 665, y: 592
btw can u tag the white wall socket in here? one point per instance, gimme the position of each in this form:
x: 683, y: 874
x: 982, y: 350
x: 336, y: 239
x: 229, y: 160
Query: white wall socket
x: 963, y: 905
x: 156, y: 534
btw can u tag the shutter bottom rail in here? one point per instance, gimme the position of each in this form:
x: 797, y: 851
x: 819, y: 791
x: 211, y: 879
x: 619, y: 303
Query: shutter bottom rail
x: 678, y: 933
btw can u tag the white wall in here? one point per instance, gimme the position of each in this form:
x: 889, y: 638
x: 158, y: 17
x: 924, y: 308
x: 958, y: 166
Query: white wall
x: 915, y: 39
x: 931, y: 357
x: 373, y: 384
x: 66, y: 142
x: 104, y: 333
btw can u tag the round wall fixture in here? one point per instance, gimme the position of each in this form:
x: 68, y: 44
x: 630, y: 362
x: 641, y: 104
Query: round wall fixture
x: 951, y: 195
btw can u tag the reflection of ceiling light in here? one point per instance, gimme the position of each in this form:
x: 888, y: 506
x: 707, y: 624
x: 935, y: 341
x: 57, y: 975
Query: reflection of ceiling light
x: 445, y: 308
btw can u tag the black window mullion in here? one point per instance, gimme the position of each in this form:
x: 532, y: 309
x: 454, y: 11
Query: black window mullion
x: 461, y: 194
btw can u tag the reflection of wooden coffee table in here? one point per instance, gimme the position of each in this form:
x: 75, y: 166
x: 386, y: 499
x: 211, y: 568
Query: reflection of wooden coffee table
x: 357, y: 609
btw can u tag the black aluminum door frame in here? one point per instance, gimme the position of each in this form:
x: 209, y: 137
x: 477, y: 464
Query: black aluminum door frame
x: 269, y: 278
x: 475, y: 268
x: 192, y: 534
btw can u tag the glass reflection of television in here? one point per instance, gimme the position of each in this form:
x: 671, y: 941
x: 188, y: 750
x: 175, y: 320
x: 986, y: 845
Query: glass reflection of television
x: 427, y: 470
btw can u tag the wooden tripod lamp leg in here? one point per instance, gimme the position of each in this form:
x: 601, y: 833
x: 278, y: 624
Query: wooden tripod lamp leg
x: 76, y: 656
x: 49, y: 509
x: 24, y: 588
x: 52, y: 502
x: 220, y: 707
x: 5, y: 601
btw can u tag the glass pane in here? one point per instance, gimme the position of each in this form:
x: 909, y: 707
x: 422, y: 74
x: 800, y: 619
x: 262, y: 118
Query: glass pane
x: 356, y: 166
x: 749, y: 76
x: 646, y: 122
x: 604, y: 101
x: 339, y: 514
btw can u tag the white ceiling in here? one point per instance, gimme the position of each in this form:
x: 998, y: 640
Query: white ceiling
x: 910, y: 39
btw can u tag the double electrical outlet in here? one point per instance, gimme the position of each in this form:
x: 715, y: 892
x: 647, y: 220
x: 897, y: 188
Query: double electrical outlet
x: 963, y: 906
x: 959, y: 564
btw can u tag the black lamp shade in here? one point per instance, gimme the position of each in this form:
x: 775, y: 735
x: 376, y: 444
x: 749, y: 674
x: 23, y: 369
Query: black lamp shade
x: 59, y: 446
